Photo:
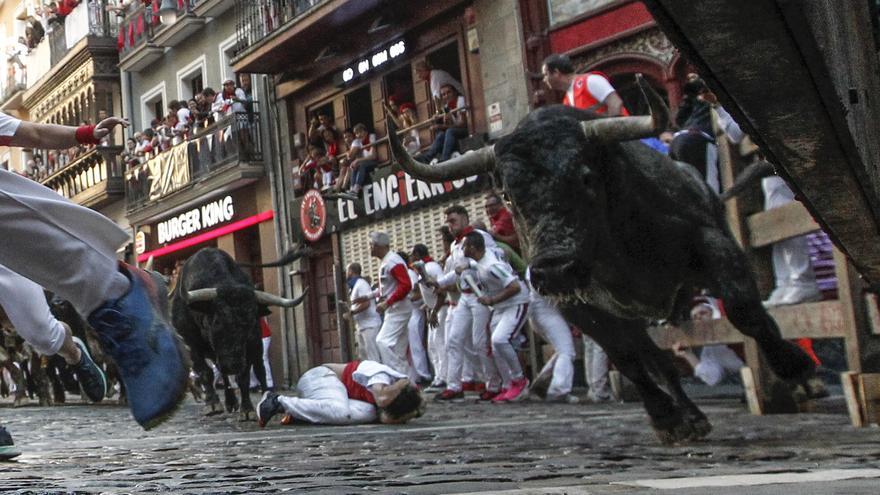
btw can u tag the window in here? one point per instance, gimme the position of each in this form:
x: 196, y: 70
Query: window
x: 359, y: 106
x: 191, y: 78
x: 564, y: 10
x: 152, y: 105
x: 227, y: 51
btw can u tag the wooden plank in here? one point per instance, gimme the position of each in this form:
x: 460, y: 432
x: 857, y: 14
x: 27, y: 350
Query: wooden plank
x: 778, y: 224
x: 849, y: 380
x: 873, y: 313
x: 849, y: 293
x: 820, y: 320
x: 753, y: 397
x: 869, y: 388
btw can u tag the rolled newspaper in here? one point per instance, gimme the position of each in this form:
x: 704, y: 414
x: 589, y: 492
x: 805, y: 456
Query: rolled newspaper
x: 469, y: 280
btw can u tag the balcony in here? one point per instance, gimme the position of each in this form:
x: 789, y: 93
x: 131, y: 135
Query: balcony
x: 13, y: 87
x: 187, y: 22
x: 212, y: 8
x: 92, y: 180
x: 222, y: 156
x: 137, y: 50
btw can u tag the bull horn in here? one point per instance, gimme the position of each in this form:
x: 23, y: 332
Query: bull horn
x: 197, y: 295
x: 466, y: 165
x: 273, y: 300
x: 616, y: 129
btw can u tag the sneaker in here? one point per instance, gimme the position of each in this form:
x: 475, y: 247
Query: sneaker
x: 7, y: 446
x: 269, y: 406
x: 469, y: 386
x: 436, y: 386
x: 91, y: 378
x: 450, y: 395
x: 563, y: 399
x: 519, y: 390
x: 491, y: 394
x: 800, y: 294
x: 134, y: 332
x: 499, y: 397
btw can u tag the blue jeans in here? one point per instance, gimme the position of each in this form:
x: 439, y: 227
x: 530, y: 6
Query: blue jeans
x: 362, y: 173
x: 444, y: 144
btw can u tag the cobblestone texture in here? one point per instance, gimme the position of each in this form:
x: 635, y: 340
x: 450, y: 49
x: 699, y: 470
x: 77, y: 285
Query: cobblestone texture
x: 468, y: 447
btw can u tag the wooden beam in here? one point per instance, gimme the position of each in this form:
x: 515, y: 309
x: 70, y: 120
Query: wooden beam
x: 852, y: 392
x: 849, y: 293
x: 780, y: 223
x: 818, y: 320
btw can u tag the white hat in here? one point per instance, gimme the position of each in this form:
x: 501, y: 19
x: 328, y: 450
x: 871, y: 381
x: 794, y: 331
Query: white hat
x: 380, y: 239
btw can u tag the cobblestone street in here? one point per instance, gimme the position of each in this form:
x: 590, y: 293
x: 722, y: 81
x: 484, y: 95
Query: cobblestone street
x: 455, y: 448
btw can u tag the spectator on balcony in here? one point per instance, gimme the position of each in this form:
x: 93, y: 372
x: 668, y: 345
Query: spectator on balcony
x: 344, y: 176
x: 19, y: 50
x: 30, y: 169
x: 35, y: 28
x: 449, y: 127
x: 363, y: 158
x: 244, y: 83
x: 230, y: 100
x: 319, y: 122
x: 392, y: 109
x: 41, y: 170
x: 129, y: 155
x: 436, y: 78
x: 65, y: 7
x: 310, y: 172
x: 411, y: 140
x: 208, y: 95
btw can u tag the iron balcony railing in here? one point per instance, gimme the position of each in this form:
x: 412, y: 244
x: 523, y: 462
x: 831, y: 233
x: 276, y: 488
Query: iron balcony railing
x: 235, y: 138
x: 137, y: 27
x: 259, y: 18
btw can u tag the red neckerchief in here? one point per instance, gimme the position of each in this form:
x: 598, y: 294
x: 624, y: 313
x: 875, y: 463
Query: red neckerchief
x: 365, y: 142
x: 465, y: 231
x: 452, y: 104
x: 228, y: 95
x: 427, y: 259
x: 331, y: 149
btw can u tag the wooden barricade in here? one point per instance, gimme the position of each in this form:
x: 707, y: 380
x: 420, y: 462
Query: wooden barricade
x: 853, y: 317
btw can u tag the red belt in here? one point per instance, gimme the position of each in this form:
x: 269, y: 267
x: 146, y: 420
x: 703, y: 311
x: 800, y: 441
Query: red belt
x: 467, y: 291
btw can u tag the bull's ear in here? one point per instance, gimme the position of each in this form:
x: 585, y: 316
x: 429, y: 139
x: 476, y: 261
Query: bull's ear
x: 263, y: 310
x: 201, y: 306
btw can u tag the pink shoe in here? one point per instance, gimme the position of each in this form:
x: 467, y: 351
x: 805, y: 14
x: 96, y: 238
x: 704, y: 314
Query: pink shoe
x: 518, y: 390
x: 502, y: 396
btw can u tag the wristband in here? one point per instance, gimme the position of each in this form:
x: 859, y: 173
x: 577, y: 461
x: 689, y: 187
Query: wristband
x: 85, y: 134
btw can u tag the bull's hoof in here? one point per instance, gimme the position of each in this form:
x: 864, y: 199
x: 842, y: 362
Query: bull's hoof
x: 247, y: 416
x: 683, y: 430
x: 212, y: 408
x: 19, y: 401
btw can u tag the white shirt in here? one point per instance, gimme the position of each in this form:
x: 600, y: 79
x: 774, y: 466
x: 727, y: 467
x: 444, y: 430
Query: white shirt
x: 370, y: 373
x: 457, y: 256
x: 494, y: 275
x: 368, y: 318
x: 8, y: 125
x: 716, y: 361
x: 363, y: 153
x: 387, y: 282
x: 434, y: 271
x: 597, y: 85
x: 440, y: 78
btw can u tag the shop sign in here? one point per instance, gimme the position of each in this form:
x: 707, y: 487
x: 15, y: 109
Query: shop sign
x: 395, y: 191
x: 313, y: 215
x: 140, y: 243
x: 192, y: 221
x: 373, y: 61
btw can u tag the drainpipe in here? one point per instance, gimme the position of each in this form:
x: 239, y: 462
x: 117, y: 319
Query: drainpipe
x: 274, y: 161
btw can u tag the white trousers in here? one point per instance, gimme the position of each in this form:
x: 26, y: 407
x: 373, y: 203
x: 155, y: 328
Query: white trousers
x: 437, y: 345
x: 59, y: 245
x: 269, y: 381
x: 507, y: 323
x: 27, y: 309
x: 792, y: 267
x: 470, y: 319
x: 416, y: 332
x: 547, y: 321
x: 322, y: 399
x: 367, y: 344
x: 393, y: 339
x: 596, y: 365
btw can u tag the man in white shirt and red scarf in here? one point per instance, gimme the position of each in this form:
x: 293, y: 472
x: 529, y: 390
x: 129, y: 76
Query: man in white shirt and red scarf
x: 394, y: 287
x: 345, y: 394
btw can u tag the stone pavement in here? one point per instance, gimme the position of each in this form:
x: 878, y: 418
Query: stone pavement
x: 455, y: 448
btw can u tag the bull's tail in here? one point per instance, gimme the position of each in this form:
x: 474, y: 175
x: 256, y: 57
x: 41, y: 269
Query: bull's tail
x: 289, y: 257
x: 752, y: 173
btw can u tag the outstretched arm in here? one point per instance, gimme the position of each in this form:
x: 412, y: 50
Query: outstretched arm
x: 53, y: 136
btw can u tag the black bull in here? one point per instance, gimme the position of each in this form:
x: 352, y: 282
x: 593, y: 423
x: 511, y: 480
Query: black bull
x: 618, y: 234
x: 216, y: 309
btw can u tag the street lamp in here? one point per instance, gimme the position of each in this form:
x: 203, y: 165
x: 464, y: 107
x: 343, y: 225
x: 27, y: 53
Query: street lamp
x: 168, y: 12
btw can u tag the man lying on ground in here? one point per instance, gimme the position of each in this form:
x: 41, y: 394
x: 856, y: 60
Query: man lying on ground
x: 345, y: 394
